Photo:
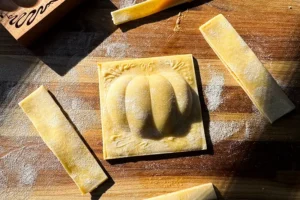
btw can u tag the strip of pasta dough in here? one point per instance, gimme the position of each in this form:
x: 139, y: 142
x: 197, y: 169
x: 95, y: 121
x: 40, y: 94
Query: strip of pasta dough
x: 200, y: 192
x: 246, y: 68
x: 59, y: 135
x: 143, y: 9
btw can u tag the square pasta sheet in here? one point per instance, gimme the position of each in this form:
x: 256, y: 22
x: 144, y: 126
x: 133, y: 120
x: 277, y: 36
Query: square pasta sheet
x: 150, y: 106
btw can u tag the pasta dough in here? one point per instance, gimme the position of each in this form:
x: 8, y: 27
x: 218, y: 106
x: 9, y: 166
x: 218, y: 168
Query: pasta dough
x: 143, y: 9
x: 245, y: 67
x: 150, y: 106
x: 59, y: 135
x: 201, y: 192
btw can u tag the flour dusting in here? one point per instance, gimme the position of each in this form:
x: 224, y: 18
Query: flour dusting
x: 253, y: 71
x: 256, y: 124
x: 85, y: 120
x: 213, y: 91
x: 133, y: 106
x: 114, y: 47
x: 28, y: 174
x: 126, y: 3
x: 220, y: 130
x: 24, y: 157
x: 20, y: 166
x: 116, y: 50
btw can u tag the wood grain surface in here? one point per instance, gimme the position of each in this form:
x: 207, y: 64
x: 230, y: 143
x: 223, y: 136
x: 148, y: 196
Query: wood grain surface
x: 254, y: 160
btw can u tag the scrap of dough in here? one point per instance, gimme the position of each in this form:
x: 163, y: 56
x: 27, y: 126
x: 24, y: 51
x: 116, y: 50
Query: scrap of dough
x: 150, y: 106
x: 143, y: 9
x: 59, y: 135
x: 201, y: 192
x: 246, y: 68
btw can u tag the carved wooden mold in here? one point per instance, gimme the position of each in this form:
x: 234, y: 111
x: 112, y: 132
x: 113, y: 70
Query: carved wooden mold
x: 26, y: 24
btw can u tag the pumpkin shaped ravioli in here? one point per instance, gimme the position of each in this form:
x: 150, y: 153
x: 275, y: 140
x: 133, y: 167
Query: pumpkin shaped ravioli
x: 149, y: 105
x: 146, y: 102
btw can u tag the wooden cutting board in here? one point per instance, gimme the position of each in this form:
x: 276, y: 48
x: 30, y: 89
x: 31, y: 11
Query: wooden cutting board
x: 248, y: 158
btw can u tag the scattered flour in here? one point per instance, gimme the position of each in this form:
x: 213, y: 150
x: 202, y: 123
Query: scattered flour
x: 126, y: 3
x: 256, y: 124
x: 23, y: 154
x: 220, y: 130
x: 213, y: 91
x: 28, y: 174
x: 85, y: 120
x: 253, y: 71
x: 116, y: 50
x: 114, y: 47
x: 20, y: 166
x: 252, y: 127
x: 133, y: 106
x: 24, y: 158
x: 80, y: 104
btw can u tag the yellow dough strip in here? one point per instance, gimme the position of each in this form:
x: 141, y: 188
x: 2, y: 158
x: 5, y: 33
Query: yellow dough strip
x: 60, y: 136
x: 201, y: 192
x: 246, y: 68
x: 143, y: 9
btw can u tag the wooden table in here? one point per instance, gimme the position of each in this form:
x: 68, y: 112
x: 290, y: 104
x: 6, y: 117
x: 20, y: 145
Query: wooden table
x: 248, y: 158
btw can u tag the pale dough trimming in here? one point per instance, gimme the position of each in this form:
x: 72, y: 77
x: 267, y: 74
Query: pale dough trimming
x: 200, y: 192
x: 143, y: 9
x: 61, y: 138
x: 246, y: 68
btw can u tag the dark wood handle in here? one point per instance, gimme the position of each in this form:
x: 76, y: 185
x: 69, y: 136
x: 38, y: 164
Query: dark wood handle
x: 26, y: 3
x: 8, y: 5
x: 12, y: 5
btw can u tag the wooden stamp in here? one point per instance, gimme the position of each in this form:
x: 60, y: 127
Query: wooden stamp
x: 26, y: 24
